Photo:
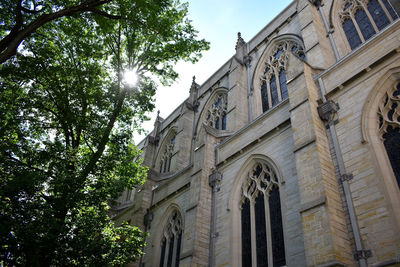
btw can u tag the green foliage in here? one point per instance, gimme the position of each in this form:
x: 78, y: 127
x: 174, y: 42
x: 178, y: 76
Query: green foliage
x: 66, y: 147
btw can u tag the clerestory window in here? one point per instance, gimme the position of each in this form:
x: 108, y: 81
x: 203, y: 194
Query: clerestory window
x: 273, y: 82
x: 166, y: 158
x: 216, y: 114
x: 171, y: 241
x: 261, y: 219
x: 362, y: 19
x: 389, y: 127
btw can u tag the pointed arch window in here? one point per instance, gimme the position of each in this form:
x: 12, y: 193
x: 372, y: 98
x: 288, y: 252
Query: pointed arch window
x: 216, y: 114
x: 273, y: 82
x: 362, y: 19
x: 261, y: 219
x: 171, y: 241
x: 389, y: 127
x: 165, y: 163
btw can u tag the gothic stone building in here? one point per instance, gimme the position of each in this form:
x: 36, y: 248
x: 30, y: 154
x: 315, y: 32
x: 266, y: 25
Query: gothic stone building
x: 289, y: 154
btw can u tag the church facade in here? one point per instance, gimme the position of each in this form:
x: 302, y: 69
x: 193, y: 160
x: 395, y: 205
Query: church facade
x: 289, y: 154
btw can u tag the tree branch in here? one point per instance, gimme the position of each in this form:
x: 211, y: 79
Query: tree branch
x: 10, y: 43
x: 104, y: 14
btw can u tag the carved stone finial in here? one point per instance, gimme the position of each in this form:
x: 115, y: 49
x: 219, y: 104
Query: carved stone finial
x: 192, y: 103
x: 240, y: 42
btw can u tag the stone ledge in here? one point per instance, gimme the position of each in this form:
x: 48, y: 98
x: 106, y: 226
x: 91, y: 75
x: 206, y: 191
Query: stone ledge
x: 313, y: 204
x: 305, y: 144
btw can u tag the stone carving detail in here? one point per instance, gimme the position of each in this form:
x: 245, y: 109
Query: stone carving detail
x: 389, y: 110
x: 260, y: 179
x: 350, y: 7
x: 279, y: 57
x: 173, y: 226
x: 216, y: 114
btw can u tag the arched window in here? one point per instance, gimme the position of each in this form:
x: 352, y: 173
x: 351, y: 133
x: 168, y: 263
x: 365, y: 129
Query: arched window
x: 171, y: 241
x: 216, y: 114
x: 362, y: 19
x: 273, y: 82
x: 261, y: 219
x: 389, y: 127
x: 166, y: 158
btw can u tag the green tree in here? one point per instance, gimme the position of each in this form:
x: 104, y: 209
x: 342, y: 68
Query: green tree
x: 67, y: 119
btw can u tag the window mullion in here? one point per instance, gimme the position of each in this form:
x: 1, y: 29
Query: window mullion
x: 269, y: 93
x: 357, y: 28
x: 278, y: 85
x: 386, y: 11
x: 174, y: 250
x: 167, y: 248
x: 268, y: 232
x: 371, y: 19
x: 253, y: 234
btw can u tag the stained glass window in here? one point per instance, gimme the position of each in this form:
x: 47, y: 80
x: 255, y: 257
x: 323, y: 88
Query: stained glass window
x: 264, y: 96
x: 389, y: 127
x: 392, y: 145
x: 261, y: 184
x: 274, y: 91
x: 364, y: 23
x: 163, y: 246
x: 354, y: 12
x: 378, y: 15
x: 166, y: 158
x: 246, y: 234
x: 390, y: 9
x: 351, y: 33
x: 273, y: 84
x: 278, y: 248
x: 261, y: 235
x: 282, y: 83
x: 172, y: 241
x: 216, y: 114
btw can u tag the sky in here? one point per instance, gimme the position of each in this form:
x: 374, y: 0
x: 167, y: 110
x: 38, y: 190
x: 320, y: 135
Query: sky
x: 218, y: 21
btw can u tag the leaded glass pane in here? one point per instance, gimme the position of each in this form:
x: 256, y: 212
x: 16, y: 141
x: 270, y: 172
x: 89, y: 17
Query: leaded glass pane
x: 364, y: 24
x: 261, y: 234
x: 278, y: 53
x: 163, y: 246
x: 217, y: 124
x: 264, y: 96
x: 282, y: 83
x: 170, y: 251
x: 351, y: 33
x: 224, y: 122
x: 246, y: 234
x: 178, y: 250
x: 390, y: 9
x: 378, y: 15
x: 274, y: 91
x: 169, y: 164
x: 275, y: 213
x: 392, y: 145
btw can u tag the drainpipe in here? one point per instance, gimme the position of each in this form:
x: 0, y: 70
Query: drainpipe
x: 329, y: 32
x: 327, y: 111
x: 214, y: 181
x: 247, y: 61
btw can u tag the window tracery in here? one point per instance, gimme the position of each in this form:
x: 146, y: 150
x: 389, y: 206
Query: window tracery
x: 166, y: 158
x: 389, y: 127
x: 171, y: 241
x: 273, y: 81
x: 262, y: 218
x: 216, y: 114
x: 361, y: 19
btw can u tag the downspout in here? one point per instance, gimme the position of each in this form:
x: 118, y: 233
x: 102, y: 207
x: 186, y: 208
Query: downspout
x: 329, y: 32
x: 247, y: 60
x: 361, y: 255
